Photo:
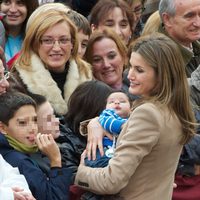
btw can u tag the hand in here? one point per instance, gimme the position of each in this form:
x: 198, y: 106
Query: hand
x: 48, y: 146
x: 19, y: 194
x: 174, y: 185
x: 94, y: 139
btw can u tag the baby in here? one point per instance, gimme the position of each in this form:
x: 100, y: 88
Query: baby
x: 112, y: 119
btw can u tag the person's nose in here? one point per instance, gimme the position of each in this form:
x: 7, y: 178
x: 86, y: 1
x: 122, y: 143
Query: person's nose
x: 4, y: 83
x: 56, y: 45
x: 131, y: 74
x: 117, y: 102
x: 13, y: 7
x: 79, y: 50
x: 106, y: 63
x: 118, y: 30
x: 197, y: 21
x: 33, y: 128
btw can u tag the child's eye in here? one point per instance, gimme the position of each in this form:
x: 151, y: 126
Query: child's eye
x: 22, y: 122
x: 84, y: 45
x: 35, y: 119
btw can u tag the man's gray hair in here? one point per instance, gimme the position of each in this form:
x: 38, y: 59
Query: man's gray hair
x: 167, y: 6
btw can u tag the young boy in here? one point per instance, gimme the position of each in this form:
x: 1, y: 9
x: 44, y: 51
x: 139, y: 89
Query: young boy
x: 47, y: 122
x: 19, y: 138
x: 118, y: 108
x: 83, y: 29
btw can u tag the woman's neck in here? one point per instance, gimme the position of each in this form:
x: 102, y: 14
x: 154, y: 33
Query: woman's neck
x: 117, y: 86
x: 14, y: 31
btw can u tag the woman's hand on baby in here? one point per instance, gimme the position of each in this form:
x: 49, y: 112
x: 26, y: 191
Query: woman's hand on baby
x: 48, y: 146
x: 94, y: 139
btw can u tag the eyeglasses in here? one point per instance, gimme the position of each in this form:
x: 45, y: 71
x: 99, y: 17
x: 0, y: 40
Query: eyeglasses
x: 50, y: 42
x: 5, y: 76
x: 139, y: 10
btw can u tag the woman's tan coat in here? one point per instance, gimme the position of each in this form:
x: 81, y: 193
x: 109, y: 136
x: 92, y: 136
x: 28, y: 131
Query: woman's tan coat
x: 145, y: 159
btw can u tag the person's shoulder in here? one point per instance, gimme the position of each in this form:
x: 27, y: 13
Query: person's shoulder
x: 196, y: 47
x: 148, y: 105
x: 18, y: 159
x: 196, y: 43
x: 150, y: 109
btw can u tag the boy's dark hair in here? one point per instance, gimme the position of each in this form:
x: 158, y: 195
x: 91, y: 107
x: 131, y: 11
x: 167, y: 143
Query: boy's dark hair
x: 80, y: 22
x: 11, y: 102
x: 81, y: 6
x: 39, y: 99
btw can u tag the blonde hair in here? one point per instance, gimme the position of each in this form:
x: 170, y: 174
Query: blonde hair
x: 172, y: 90
x: 45, y: 7
x: 152, y: 24
x: 39, y: 25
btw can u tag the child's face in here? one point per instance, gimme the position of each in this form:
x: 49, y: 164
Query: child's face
x: 47, y: 122
x: 83, y: 42
x: 120, y: 103
x: 23, y: 126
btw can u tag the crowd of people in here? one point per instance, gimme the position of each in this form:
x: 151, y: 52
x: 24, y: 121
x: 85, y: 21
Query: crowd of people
x: 99, y: 100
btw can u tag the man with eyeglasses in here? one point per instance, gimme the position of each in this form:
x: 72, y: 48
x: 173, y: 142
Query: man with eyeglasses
x: 4, y: 75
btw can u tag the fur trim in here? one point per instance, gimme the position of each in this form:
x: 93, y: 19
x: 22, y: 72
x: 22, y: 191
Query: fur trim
x: 39, y: 81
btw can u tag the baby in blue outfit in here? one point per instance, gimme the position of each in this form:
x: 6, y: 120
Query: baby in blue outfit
x: 112, y: 119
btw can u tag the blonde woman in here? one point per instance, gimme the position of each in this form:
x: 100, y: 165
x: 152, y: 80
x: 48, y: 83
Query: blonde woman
x: 49, y: 64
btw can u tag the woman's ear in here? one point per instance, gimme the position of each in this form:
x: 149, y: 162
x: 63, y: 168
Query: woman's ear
x: 93, y: 27
x: 3, y: 128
